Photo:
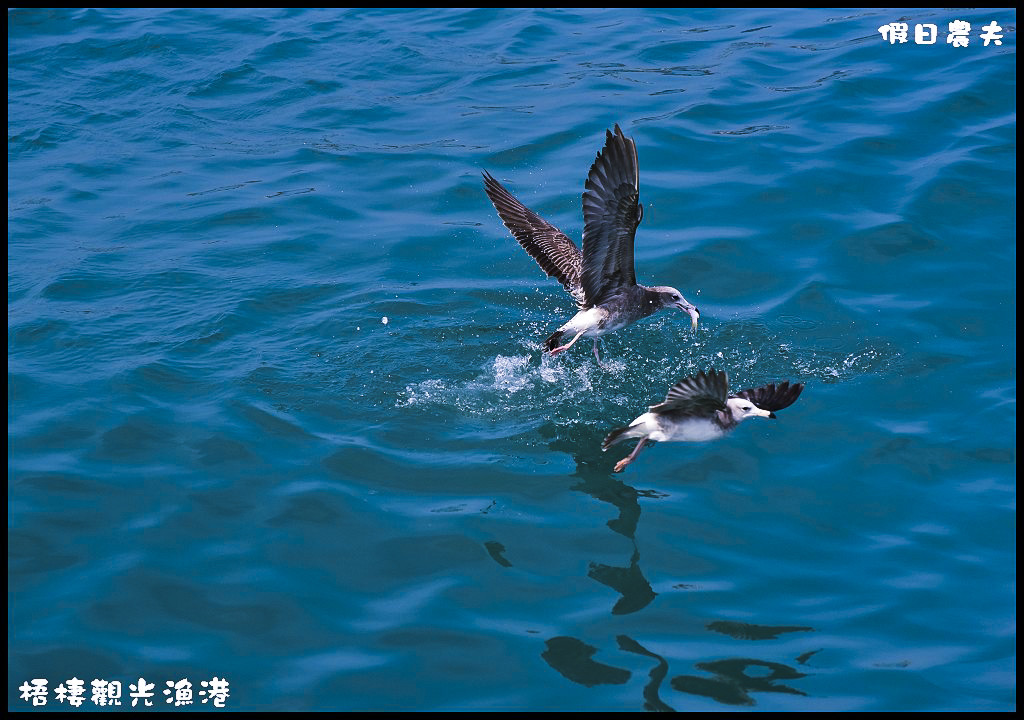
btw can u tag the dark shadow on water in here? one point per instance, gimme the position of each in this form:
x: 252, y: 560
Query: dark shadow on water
x: 572, y: 659
x: 652, y: 698
x: 594, y: 472
x: 495, y: 550
x: 731, y: 685
x: 732, y: 680
x: 627, y: 581
x: 746, y: 631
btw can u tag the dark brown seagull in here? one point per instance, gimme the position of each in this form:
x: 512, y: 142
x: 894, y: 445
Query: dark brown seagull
x: 600, y: 279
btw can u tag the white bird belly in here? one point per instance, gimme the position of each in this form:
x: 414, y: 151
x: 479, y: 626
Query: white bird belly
x: 694, y: 430
x: 590, y: 322
x: 648, y: 426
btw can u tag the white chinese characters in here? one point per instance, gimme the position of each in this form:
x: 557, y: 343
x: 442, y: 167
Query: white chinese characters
x: 958, y: 35
x: 894, y: 32
x: 108, y: 693
x: 141, y: 691
x: 991, y: 33
x: 926, y: 38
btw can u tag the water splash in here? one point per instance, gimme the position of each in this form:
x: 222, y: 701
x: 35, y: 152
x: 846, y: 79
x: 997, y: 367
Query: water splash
x: 506, y: 384
x: 573, y: 388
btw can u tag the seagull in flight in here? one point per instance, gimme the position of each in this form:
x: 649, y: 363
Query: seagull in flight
x: 700, y: 408
x: 601, y: 278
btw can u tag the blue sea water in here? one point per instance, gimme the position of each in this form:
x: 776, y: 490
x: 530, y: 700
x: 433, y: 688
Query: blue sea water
x: 278, y: 411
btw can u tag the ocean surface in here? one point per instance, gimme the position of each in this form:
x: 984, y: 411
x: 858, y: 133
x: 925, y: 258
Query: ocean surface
x: 278, y: 412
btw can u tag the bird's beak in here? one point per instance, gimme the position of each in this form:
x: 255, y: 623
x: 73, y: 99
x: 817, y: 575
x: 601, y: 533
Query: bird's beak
x: 693, y: 312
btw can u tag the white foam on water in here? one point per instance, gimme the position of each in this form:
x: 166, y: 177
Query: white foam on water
x: 511, y: 374
x: 572, y: 389
x: 509, y: 384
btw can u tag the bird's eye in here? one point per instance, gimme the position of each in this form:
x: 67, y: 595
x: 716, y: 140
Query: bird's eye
x: 746, y: 409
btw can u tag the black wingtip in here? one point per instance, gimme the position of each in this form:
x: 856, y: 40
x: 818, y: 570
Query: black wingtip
x: 721, y: 377
x: 792, y: 393
x: 774, y: 396
x: 615, y: 134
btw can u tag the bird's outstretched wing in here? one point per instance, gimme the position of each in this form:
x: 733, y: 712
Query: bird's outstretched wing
x: 701, y: 395
x: 611, y: 213
x: 773, y: 397
x: 553, y: 250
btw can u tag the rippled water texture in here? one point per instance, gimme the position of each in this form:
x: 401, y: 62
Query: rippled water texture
x: 224, y: 462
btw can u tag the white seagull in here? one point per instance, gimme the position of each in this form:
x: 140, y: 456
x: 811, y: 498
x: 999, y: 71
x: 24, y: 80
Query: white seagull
x: 700, y: 408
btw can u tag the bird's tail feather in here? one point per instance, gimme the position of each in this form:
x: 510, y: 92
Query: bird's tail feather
x: 554, y: 341
x: 614, y: 436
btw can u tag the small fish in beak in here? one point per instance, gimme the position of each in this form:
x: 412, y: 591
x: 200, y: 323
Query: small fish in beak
x: 693, y: 312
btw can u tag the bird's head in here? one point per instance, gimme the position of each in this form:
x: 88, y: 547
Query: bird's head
x: 670, y: 297
x: 741, y: 409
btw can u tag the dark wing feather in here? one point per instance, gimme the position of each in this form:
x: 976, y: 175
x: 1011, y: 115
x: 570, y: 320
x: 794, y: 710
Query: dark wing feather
x: 701, y: 394
x: 773, y: 397
x: 611, y: 213
x: 553, y: 250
